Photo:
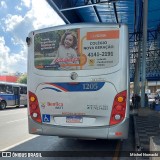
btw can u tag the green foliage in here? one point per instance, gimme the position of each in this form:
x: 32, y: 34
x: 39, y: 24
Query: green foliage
x: 22, y: 79
x: 43, y: 62
x: 54, y: 35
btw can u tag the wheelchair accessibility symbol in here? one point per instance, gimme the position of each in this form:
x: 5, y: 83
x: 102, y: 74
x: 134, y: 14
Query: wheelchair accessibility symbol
x: 46, y: 118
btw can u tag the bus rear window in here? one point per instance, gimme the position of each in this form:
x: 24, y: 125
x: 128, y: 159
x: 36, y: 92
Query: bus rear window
x: 76, y: 49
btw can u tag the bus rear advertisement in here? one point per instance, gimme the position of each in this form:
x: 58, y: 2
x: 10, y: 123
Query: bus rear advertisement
x: 78, y: 81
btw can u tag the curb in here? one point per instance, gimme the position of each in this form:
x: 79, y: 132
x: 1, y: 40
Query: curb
x: 138, y: 146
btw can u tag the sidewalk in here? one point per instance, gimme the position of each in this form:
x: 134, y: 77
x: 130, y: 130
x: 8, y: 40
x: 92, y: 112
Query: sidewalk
x: 147, y: 124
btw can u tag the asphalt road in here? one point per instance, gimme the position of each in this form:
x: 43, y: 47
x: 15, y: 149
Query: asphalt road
x: 13, y: 127
x: 14, y: 137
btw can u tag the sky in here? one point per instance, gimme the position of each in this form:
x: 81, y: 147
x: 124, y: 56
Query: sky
x: 17, y: 19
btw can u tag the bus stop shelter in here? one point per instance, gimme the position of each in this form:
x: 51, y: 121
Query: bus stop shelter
x: 143, y: 20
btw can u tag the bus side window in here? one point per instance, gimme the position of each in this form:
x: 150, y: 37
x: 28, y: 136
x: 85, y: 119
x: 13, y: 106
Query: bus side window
x: 16, y: 90
x: 2, y: 88
x: 9, y: 89
x: 23, y: 90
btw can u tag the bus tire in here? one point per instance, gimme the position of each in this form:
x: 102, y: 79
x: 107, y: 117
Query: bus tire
x: 3, y: 105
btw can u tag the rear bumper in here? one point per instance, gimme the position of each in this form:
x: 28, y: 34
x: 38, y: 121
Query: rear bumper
x: 103, y: 132
x: 119, y: 131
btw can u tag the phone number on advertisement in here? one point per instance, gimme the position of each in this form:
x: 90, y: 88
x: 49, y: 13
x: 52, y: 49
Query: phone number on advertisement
x: 97, y: 54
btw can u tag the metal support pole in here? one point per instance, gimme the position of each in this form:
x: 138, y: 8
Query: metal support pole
x: 144, y: 47
x: 137, y: 70
x: 53, y: 5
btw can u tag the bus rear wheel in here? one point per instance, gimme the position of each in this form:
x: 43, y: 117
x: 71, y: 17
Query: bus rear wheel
x: 2, y: 105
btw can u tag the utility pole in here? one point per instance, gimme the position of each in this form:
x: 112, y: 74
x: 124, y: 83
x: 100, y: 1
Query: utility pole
x: 144, y: 49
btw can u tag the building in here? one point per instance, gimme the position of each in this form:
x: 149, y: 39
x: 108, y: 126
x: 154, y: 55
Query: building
x: 152, y: 86
x: 8, y: 78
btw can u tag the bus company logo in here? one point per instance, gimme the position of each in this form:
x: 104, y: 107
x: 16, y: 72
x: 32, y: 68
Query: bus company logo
x: 43, y: 105
x: 54, y: 104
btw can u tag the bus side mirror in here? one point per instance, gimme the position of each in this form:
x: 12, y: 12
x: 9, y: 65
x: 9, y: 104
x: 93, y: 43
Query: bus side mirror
x: 28, y: 41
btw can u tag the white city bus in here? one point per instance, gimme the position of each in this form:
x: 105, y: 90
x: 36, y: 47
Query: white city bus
x: 78, y: 81
x: 12, y: 94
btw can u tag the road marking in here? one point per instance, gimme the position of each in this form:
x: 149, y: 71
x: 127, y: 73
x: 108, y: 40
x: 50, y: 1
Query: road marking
x: 117, y: 151
x: 16, y: 120
x: 16, y: 144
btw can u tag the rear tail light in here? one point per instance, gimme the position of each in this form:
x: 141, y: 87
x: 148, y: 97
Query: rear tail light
x: 118, y: 108
x: 34, y: 109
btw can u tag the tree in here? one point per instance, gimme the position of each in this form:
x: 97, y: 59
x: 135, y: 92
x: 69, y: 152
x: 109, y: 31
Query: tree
x: 22, y: 79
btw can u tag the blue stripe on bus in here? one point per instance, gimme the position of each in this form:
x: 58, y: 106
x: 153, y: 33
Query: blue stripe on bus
x: 76, y: 87
x: 9, y: 96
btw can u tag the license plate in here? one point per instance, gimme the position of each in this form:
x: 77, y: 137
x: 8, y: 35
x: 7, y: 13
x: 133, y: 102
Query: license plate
x: 74, y: 119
